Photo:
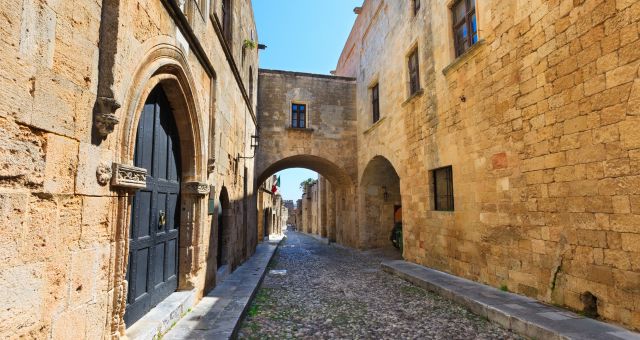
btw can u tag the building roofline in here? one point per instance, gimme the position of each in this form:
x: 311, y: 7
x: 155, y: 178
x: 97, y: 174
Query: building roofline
x: 304, y: 74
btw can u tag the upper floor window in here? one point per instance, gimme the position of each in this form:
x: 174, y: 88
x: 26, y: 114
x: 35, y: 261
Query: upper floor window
x: 443, y: 188
x: 414, y: 73
x: 298, y: 116
x: 465, y: 28
x: 251, y: 85
x: 416, y: 6
x: 375, y: 102
x: 226, y: 19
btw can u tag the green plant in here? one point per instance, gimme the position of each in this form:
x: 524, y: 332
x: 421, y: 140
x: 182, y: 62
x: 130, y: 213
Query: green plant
x: 308, y: 181
x: 504, y: 288
x: 249, y: 44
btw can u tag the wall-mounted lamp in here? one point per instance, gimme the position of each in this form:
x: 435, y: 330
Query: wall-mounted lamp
x: 385, y: 194
x: 255, y: 141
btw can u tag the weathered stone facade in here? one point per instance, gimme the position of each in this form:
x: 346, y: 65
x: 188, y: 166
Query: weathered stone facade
x: 538, y: 121
x: 74, y: 80
x: 272, y: 214
x: 324, y: 145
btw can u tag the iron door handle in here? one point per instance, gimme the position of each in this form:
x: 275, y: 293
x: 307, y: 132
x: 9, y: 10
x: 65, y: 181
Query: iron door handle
x: 162, y: 220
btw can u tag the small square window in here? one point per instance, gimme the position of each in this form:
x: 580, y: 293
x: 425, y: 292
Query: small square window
x: 465, y: 27
x: 414, y: 73
x: 443, y: 188
x: 298, y: 116
x: 375, y: 102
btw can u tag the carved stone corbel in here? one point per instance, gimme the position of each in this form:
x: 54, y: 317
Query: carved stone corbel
x: 195, y: 188
x: 104, y: 117
x: 104, y: 174
x: 128, y: 177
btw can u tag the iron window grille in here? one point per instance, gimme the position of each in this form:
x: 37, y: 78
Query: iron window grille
x: 443, y: 189
x: 465, y: 28
x: 414, y: 73
x: 375, y: 103
x: 298, y: 116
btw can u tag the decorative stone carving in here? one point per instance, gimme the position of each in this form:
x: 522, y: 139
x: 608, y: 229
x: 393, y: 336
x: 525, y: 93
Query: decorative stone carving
x: 195, y: 188
x: 105, y: 120
x: 127, y: 176
x: 103, y: 174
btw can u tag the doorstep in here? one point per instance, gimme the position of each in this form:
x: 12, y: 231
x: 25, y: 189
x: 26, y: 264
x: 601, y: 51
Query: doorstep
x: 218, y: 315
x: 521, y: 314
x: 162, y: 317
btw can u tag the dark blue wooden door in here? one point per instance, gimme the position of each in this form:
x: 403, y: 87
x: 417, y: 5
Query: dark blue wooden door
x: 155, y: 215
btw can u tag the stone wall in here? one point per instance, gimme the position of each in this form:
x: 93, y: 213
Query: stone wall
x: 65, y: 236
x: 538, y: 121
x: 320, y: 146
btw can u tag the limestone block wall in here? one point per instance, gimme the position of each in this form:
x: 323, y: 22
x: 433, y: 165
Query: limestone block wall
x: 65, y: 228
x: 537, y: 121
x: 330, y: 130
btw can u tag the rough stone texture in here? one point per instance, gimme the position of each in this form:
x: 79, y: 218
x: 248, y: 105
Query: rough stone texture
x: 330, y: 292
x: 330, y: 130
x: 538, y: 120
x: 63, y: 236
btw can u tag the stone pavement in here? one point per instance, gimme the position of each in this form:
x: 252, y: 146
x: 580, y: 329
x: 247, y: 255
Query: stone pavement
x: 522, y: 314
x: 331, y: 292
x: 218, y: 314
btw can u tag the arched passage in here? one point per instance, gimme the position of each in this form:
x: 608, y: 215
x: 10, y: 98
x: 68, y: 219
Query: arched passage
x: 338, y: 215
x: 380, y: 203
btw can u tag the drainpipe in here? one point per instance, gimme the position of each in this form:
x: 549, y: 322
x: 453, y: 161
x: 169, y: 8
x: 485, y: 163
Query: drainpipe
x: 104, y: 118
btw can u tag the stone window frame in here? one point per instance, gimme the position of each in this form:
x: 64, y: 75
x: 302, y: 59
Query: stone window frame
x: 374, y: 91
x: 307, y: 125
x: 414, y: 50
x: 450, y: 196
x: 226, y: 20
x: 452, y: 26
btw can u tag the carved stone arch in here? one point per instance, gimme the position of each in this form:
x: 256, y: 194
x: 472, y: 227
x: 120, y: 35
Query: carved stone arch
x: 166, y: 66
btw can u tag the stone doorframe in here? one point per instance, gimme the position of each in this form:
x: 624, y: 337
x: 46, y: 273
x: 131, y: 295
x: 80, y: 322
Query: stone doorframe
x: 166, y: 66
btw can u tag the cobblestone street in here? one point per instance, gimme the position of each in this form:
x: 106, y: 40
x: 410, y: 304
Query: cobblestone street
x: 331, y: 292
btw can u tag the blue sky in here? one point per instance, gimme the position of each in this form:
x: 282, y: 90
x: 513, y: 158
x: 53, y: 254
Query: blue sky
x: 303, y: 36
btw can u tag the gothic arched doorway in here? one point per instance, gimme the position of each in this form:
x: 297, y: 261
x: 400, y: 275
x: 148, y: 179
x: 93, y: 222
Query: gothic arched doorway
x: 153, y: 240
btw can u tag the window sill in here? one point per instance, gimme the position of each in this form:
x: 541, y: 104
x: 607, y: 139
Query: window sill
x: 308, y: 130
x: 375, y: 125
x: 464, y: 57
x: 417, y: 94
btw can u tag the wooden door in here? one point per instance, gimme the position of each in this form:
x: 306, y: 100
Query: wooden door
x: 155, y: 214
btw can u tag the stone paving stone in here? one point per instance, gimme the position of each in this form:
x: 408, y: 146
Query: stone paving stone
x: 332, y: 292
x: 521, y: 314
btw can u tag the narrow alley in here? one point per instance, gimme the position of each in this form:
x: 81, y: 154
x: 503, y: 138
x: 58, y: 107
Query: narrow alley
x: 333, y: 292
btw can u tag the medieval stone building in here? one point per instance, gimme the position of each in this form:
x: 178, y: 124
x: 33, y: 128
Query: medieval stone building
x: 501, y: 134
x: 126, y: 160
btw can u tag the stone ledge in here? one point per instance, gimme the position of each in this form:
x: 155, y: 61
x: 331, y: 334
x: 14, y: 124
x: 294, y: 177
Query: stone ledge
x: 374, y: 126
x: 303, y: 130
x: 162, y: 317
x: 521, y: 314
x: 218, y: 314
x: 464, y: 57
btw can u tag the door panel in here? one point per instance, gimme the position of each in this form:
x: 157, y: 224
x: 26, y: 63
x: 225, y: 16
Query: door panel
x: 155, y: 216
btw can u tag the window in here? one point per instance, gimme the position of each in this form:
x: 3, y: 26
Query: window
x: 251, y: 85
x: 414, y: 73
x: 416, y: 6
x: 465, y: 28
x: 298, y: 116
x: 226, y: 20
x: 375, y: 102
x: 443, y: 188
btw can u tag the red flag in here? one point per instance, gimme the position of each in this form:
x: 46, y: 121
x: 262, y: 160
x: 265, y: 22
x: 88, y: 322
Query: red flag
x: 274, y: 189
